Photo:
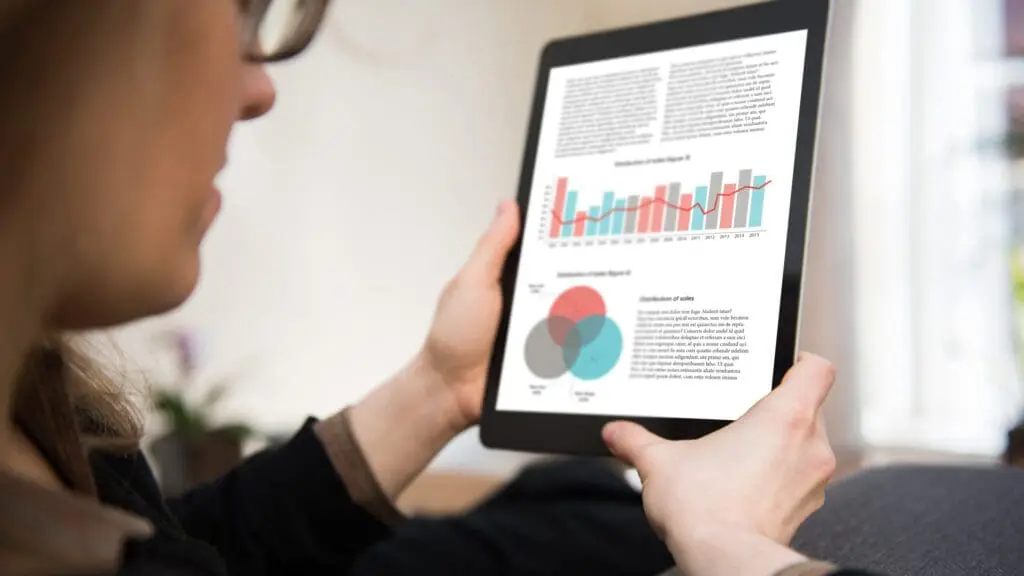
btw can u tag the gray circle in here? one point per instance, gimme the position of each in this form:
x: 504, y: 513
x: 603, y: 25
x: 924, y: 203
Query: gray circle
x: 544, y: 357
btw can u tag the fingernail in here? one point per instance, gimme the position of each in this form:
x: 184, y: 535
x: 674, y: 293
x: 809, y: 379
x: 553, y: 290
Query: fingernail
x: 501, y: 209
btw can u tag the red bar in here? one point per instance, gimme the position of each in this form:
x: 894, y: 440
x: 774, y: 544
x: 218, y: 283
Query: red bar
x: 581, y: 223
x: 686, y: 203
x: 556, y: 221
x: 658, y: 214
x: 728, y: 202
x: 645, y: 215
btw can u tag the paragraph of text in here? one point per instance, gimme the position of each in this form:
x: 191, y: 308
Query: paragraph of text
x: 689, y: 344
x: 606, y: 112
x: 719, y: 96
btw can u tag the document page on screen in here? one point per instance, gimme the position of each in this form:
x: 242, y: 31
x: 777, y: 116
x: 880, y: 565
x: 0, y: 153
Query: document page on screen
x: 651, y: 269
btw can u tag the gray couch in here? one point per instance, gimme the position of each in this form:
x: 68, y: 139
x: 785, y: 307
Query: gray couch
x: 922, y: 521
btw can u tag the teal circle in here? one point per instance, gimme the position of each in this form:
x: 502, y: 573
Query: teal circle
x: 593, y: 347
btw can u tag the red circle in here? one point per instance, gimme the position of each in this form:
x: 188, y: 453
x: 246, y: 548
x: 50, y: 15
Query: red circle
x: 574, y: 304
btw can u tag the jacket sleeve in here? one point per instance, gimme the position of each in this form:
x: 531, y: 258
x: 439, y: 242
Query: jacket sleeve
x: 285, y: 510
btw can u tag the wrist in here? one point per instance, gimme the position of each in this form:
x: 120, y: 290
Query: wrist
x: 404, y: 423
x: 723, y: 550
x: 437, y: 394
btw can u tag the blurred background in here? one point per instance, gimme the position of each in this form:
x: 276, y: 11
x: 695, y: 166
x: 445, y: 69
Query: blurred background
x: 393, y: 138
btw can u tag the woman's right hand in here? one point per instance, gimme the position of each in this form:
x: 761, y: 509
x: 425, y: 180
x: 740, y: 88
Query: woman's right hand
x: 737, y: 496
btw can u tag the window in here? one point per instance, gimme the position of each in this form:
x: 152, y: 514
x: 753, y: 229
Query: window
x: 933, y: 223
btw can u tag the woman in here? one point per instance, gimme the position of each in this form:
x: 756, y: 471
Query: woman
x: 116, y: 115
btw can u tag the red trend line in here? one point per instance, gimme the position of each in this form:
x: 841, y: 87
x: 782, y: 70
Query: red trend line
x: 651, y: 202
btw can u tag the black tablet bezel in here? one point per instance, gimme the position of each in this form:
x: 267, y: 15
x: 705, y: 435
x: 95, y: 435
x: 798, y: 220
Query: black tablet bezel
x: 580, y: 434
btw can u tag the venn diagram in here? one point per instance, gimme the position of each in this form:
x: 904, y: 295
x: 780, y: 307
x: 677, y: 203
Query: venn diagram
x: 577, y: 337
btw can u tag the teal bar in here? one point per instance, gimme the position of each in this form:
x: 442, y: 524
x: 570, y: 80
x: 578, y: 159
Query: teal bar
x: 569, y: 214
x: 605, y: 215
x: 591, y: 224
x: 619, y: 217
x: 700, y: 201
x: 757, y: 201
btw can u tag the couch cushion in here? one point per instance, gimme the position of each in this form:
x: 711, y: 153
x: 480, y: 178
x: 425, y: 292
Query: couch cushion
x: 922, y: 520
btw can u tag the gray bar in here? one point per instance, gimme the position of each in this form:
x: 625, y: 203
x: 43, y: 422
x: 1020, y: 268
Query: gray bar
x: 742, y: 200
x: 714, y: 204
x: 631, y: 210
x: 670, y: 210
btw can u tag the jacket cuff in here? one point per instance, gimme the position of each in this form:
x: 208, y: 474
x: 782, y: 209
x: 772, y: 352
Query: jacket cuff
x: 349, y: 461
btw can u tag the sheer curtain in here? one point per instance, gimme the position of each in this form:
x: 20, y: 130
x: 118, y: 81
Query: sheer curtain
x: 909, y: 286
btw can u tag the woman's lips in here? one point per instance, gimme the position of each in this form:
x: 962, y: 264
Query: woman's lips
x: 212, y: 207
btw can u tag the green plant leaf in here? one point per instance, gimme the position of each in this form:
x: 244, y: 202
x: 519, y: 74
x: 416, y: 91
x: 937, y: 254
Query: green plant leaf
x: 179, y: 416
x: 238, y: 431
x: 195, y: 420
x: 216, y: 392
x: 1017, y: 275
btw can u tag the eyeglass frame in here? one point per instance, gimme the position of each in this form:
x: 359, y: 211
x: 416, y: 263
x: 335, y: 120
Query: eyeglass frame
x: 302, y: 35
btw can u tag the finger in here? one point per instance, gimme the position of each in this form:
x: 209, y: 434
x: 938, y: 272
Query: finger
x: 488, y: 257
x: 808, y: 382
x: 627, y: 440
x: 830, y: 459
x: 820, y: 429
x: 809, y: 504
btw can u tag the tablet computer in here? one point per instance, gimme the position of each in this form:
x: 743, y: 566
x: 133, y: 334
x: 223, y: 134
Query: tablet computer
x: 665, y: 190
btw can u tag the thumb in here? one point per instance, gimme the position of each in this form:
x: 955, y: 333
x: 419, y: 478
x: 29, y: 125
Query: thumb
x: 488, y: 257
x: 808, y: 382
x: 628, y: 440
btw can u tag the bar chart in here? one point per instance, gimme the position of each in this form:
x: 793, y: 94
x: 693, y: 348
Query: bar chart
x: 711, y: 206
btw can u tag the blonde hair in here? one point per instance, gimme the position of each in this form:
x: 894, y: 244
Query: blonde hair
x: 68, y: 405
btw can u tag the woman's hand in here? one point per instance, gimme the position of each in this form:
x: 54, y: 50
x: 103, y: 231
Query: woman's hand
x: 736, y: 496
x: 459, y: 345
x: 401, y: 425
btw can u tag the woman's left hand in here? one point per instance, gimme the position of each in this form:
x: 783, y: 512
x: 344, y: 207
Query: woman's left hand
x: 459, y: 344
x: 402, y: 424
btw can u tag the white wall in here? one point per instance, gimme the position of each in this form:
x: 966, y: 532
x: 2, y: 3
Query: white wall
x: 350, y: 205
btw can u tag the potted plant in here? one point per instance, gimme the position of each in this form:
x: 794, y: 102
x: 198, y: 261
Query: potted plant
x: 195, y: 448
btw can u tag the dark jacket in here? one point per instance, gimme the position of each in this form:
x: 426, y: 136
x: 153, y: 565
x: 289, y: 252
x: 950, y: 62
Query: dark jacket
x: 283, y: 511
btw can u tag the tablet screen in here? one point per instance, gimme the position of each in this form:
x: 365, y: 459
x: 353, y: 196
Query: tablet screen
x: 651, y: 267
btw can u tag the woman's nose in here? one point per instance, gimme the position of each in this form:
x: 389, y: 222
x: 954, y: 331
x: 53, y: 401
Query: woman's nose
x: 258, y: 93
